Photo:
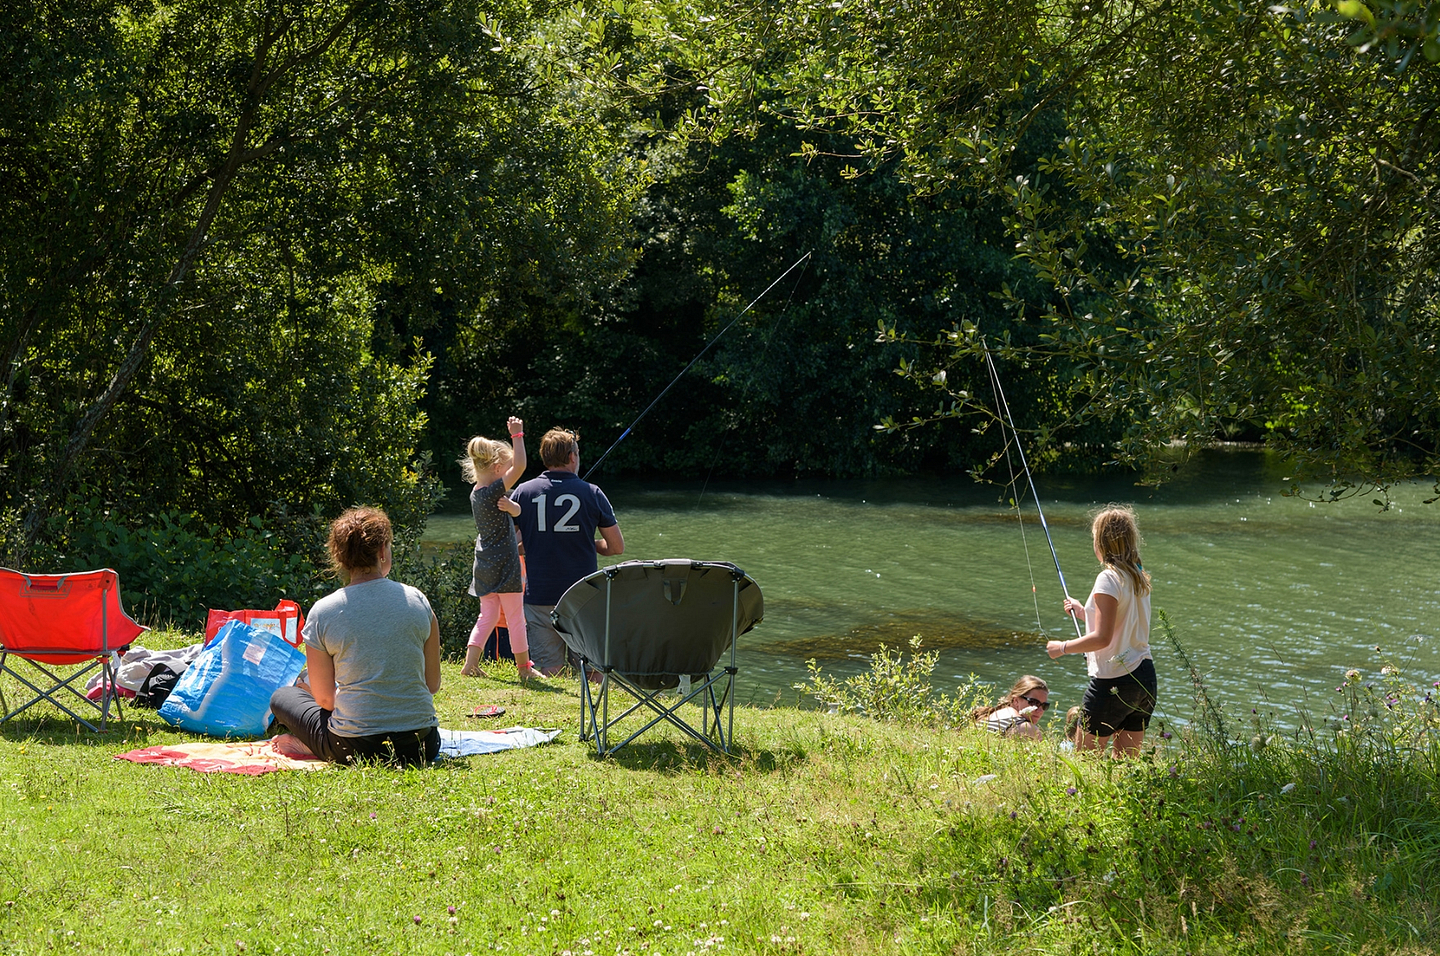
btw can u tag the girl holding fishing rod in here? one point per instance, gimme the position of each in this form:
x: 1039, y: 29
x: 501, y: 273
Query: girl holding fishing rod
x: 1116, y: 643
x: 1116, y: 638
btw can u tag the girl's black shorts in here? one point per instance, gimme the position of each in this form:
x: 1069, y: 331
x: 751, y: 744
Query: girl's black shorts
x: 1120, y: 703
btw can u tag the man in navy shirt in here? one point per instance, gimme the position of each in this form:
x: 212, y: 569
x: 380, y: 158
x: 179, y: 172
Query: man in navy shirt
x: 559, y: 515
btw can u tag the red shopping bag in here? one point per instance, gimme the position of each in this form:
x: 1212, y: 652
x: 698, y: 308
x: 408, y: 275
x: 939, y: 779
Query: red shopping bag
x: 286, y: 620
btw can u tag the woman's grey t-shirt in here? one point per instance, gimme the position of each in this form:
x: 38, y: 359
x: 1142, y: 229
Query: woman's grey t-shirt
x: 375, y: 632
x: 497, y: 559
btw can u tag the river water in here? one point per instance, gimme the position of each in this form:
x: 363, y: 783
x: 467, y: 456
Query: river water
x: 1272, y: 597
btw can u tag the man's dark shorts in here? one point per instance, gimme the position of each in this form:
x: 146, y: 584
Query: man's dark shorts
x: 1120, y: 703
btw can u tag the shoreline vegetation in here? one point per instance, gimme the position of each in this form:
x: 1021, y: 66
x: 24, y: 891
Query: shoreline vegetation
x: 828, y: 832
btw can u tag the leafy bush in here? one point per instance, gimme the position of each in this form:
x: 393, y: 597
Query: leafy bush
x: 175, y: 567
x: 898, y: 689
x: 445, y: 579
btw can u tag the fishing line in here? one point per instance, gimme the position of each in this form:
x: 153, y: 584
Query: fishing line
x: 1020, y: 449
x: 1015, y: 499
x: 745, y: 392
x: 626, y: 433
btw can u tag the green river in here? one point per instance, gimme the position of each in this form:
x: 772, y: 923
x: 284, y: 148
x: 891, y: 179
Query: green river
x: 1272, y: 597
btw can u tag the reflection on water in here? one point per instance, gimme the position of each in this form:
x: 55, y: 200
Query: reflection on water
x: 1273, y: 597
x: 860, y: 641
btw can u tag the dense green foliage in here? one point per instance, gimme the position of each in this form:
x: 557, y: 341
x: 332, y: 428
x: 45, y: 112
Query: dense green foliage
x: 275, y: 259
x: 177, y: 567
x: 797, y: 386
x: 213, y: 210
x: 1237, y: 219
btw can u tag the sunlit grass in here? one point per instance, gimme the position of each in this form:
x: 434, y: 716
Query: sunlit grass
x: 828, y: 833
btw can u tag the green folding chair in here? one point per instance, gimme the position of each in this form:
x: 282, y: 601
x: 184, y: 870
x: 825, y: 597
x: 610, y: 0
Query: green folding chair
x: 643, y: 629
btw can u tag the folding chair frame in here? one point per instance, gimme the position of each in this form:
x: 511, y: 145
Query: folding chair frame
x: 105, y: 659
x: 102, y: 706
x: 715, y: 694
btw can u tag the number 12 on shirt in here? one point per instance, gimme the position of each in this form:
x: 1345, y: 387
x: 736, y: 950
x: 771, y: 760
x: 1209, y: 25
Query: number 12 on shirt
x: 570, y: 503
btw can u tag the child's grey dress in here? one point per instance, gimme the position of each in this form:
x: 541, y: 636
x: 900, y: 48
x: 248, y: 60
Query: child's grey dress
x: 497, y: 559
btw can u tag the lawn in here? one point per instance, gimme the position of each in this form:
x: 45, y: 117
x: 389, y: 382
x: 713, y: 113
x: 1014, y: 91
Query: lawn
x: 827, y: 833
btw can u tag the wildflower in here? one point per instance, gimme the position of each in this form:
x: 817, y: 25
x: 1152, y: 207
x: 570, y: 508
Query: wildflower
x: 1389, y: 669
x: 1313, y: 844
x: 1305, y: 879
x: 1071, y: 791
x: 1012, y: 814
x: 417, y: 920
x: 372, y: 814
x: 450, y: 910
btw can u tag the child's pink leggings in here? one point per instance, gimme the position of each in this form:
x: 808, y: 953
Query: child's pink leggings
x: 513, y: 603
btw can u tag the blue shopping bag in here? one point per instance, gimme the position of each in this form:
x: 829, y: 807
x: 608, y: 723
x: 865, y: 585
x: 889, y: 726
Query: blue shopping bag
x: 226, y: 691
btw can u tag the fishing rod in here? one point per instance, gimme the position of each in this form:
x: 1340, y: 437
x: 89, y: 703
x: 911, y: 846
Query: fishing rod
x: 626, y: 433
x: 1020, y: 448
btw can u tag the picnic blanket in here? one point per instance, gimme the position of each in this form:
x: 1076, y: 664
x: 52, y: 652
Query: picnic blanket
x: 254, y: 757
x: 284, y: 752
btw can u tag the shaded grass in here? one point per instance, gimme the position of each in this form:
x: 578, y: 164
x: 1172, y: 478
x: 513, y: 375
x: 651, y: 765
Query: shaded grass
x: 828, y: 833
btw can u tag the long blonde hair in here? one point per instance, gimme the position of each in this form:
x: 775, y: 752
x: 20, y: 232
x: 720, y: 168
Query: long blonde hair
x: 1022, y: 687
x: 482, y: 454
x: 1117, y: 542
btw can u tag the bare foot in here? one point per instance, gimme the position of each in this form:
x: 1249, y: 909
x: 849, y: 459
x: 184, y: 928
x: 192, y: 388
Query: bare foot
x: 288, y: 745
x: 472, y: 666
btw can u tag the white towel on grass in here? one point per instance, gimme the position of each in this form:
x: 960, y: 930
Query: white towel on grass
x: 467, y: 743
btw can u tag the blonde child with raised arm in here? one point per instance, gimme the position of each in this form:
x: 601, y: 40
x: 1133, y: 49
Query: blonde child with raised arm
x: 494, y: 467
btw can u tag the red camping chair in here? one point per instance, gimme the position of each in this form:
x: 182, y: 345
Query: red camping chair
x: 50, y: 620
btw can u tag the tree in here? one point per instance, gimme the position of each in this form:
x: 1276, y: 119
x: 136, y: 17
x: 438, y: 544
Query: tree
x: 795, y: 387
x: 1238, y: 226
x: 211, y: 207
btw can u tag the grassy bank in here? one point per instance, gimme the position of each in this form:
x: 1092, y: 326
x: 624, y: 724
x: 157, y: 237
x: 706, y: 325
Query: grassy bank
x: 829, y: 833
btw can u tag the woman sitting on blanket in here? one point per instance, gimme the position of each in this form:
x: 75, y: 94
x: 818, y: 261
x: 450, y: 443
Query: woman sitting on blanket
x: 372, y: 650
